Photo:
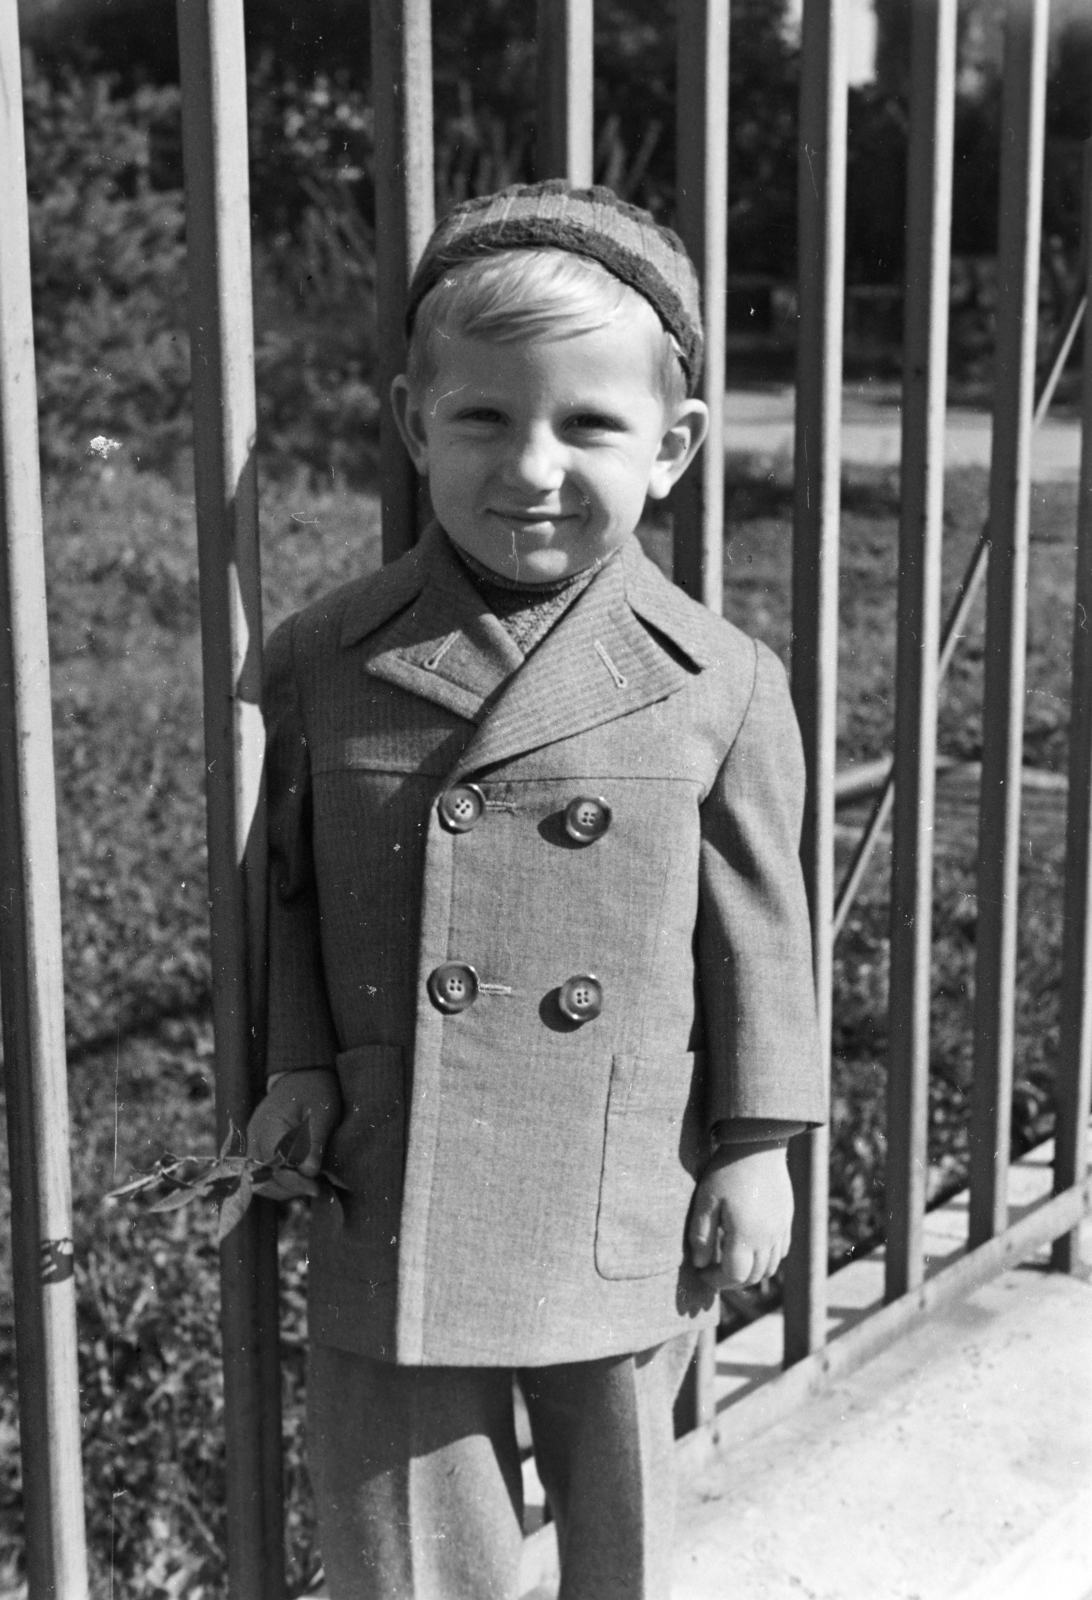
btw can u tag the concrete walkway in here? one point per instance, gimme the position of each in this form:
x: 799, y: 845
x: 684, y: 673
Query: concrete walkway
x: 956, y: 1465
x: 759, y: 423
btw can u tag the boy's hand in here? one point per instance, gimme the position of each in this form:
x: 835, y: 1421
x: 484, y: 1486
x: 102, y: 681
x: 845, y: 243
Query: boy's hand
x: 308, y: 1099
x: 741, y: 1219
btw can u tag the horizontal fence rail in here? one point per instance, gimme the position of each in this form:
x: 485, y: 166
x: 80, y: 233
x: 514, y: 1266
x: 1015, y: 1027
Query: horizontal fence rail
x: 761, y: 1408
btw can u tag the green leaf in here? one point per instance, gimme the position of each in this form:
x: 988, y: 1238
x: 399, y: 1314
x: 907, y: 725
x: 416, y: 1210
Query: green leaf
x: 229, y: 1167
x: 147, y: 1180
x: 233, y: 1141
x: 235, y: 1207
x: 176, y: 1199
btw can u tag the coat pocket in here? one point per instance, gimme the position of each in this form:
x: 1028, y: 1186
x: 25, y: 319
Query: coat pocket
x: 367, y: 1152
x: 655, y: 1147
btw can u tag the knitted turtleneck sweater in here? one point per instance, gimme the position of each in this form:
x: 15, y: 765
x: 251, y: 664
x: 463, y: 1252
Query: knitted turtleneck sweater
x: 527, y: 610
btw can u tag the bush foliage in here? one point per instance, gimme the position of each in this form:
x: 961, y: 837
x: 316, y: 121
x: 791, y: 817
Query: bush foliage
x: 108, y: 269
x: 109, y: 286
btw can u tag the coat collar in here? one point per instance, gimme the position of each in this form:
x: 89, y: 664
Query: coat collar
x: 630, y: 639
x: 436, y: 636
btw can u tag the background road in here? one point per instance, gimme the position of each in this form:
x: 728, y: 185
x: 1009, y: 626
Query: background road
x: 759, y: 423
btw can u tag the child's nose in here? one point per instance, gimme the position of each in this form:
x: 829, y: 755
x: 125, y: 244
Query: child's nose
x: 535, y: 460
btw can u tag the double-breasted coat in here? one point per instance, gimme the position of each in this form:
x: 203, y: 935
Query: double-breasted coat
x: 520, y: 1151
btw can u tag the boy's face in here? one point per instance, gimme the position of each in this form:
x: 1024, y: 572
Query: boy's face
x: 539, y: 454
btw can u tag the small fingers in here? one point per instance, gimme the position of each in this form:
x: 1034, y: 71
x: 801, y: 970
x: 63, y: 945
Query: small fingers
x: 264, y: 1131
x: 704, y: 1234
x: 322, y: 1125
x: 729, y: 1267
x: 738, y: 1263
x: 741, y: 1267
x: 766, y: 1263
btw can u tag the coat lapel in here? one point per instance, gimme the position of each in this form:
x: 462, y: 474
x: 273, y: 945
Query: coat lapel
x: 600, y: 662
x: 446, y: 645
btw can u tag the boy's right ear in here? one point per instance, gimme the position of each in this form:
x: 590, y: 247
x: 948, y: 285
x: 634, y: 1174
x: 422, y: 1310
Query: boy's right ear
x: 410, y: 421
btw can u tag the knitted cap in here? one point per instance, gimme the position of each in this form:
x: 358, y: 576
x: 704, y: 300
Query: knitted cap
x: 588, y: 222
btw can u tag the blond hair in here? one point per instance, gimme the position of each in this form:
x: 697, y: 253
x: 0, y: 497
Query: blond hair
x: 530, y: 294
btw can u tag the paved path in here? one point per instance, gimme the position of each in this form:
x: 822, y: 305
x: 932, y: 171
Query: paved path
x: 759, y: 422
x: 956, y: 1465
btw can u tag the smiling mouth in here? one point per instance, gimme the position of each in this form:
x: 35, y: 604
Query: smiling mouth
x: 534, y: 518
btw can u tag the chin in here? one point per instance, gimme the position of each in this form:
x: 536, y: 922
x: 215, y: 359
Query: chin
x: 533, y: 564
x: 543, y: 566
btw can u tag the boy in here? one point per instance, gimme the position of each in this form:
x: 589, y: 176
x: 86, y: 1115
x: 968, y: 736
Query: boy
x: 540, y: 965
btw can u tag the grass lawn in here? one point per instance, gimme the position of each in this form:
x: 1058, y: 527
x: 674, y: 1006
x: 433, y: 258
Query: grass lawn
x: 123, y: 616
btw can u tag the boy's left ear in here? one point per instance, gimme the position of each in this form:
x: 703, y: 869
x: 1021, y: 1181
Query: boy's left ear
x: 680, y: 444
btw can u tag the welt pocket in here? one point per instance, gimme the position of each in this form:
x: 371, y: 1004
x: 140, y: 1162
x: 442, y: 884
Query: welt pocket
x: 654, y: 1147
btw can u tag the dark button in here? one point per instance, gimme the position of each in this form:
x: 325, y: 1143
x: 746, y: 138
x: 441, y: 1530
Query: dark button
x: 581, y: 998
x: 586, y: 819
x: 461, y: 807
x: 453, y: 987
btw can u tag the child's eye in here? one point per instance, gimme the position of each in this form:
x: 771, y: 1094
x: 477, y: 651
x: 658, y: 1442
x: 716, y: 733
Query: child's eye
x: 483, y: 414
x: 594, y: 422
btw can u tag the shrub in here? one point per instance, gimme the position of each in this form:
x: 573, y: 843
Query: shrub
x: 108, y: 266
x: 107, y: 269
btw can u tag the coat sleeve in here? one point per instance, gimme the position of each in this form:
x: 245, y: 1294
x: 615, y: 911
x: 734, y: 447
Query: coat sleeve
x: 301, y: 1031
x: 754, y: 934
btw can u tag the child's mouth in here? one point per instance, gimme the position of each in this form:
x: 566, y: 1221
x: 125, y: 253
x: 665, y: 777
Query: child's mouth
x: 533, y: 519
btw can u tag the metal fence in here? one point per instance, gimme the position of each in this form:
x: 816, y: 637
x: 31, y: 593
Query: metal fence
x: 215, y: 149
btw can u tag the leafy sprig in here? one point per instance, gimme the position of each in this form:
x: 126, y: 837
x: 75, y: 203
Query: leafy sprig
x: 230, y: 1179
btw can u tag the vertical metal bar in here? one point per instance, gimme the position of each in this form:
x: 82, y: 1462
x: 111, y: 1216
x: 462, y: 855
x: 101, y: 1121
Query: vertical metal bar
x: 31, y: 980
x: 404, y: 212
x: 702, y: 219
x: 564, y: 134
x: 698, y: 501
x: 1073, y: 1088
x: 956, y: 619
x: 214, y: 129
x: 821, y: 203
x: 925, y: 371
x: 696, y: 1401
x: 1022, y: 110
